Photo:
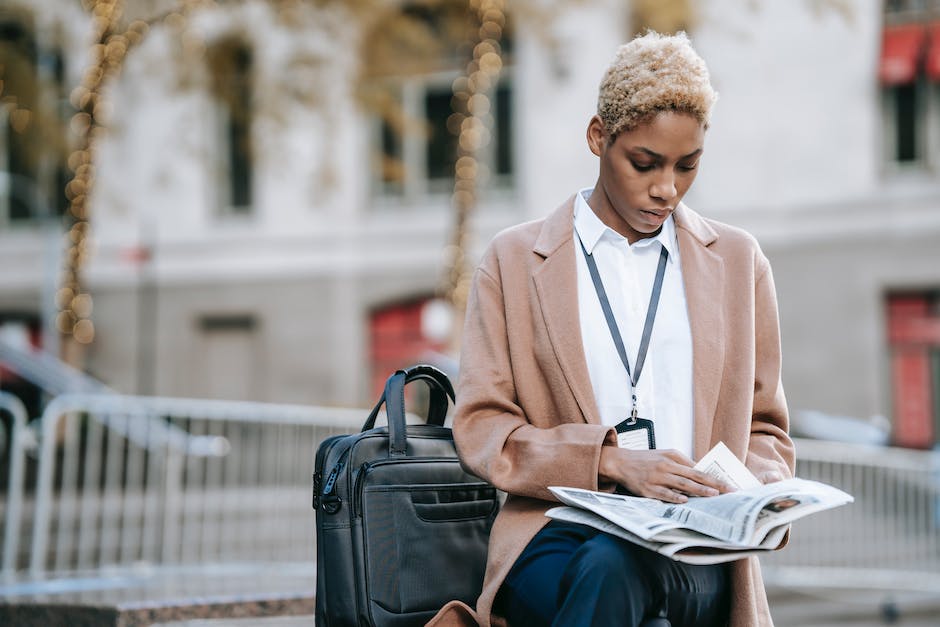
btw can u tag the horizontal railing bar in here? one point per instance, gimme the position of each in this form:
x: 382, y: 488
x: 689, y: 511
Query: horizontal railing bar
x: 865, y: 455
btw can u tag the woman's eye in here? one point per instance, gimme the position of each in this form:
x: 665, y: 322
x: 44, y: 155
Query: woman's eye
x: 642, y: 167
x: 688, y: 167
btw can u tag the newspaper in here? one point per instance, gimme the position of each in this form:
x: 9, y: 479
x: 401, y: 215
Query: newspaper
x: 705, y: 530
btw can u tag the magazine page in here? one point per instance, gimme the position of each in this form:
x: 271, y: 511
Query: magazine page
x: 687, y: 537
x: 734, y: 516
x: 692, y: 541
x: 731, y: 518
x: 787, y: 506
x: 716, y: 553
x: 640, y: 516
x: 690, y: 552
x: 723, y: 465
x: 649, y: 517
x: 584, y: 517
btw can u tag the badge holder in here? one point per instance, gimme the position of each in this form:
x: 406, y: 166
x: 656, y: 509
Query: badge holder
x: 636, y: 434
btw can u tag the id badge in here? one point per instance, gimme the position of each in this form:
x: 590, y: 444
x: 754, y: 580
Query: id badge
x: 636, y: 434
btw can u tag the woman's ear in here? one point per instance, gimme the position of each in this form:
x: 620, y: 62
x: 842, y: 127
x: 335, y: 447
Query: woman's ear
x: 596, y: 135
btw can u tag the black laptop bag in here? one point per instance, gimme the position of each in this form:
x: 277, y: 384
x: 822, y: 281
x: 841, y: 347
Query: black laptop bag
x: 401, y: 527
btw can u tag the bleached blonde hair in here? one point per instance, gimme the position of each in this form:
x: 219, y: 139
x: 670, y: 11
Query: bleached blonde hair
x: 651, y: 74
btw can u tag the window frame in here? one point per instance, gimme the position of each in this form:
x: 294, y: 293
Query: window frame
x: 417, y: 186
x: 226, y: 207
x: 927, y: 101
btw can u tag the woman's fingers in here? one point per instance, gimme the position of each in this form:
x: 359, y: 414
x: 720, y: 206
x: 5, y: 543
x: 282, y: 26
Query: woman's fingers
x: 695, y: 487
x: 667, y: 475
x: 663, y: 474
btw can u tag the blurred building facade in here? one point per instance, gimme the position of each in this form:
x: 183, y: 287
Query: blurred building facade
x: 265, y: 231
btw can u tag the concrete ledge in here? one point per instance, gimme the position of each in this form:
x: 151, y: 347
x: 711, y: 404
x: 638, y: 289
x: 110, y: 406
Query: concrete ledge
x: 162, y: 595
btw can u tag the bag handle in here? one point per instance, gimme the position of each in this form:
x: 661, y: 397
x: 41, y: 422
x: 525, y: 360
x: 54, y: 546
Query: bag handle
x: 393, y: 397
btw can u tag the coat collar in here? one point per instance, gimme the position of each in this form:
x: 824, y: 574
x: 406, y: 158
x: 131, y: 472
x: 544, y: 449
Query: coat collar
x: 556, y: 283
x: 557, y: 229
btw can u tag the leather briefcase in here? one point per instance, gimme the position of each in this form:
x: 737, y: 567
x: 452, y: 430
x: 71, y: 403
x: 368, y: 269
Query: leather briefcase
x: 401, y: 527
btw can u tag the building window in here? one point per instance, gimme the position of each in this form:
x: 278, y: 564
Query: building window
x: 20, y: 199
x: 905, y: 118
x: 230, y: 358
x: 232, y: 69
x: 909, y: 73
x: 33, y: 112
x: 418, y: 153
x: 411, y: 63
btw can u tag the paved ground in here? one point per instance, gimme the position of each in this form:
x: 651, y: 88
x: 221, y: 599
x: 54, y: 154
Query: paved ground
x: 790, y: 609
x: 173, y: 596
x: 274, y: 621
x: 845, y: 608
x: 189, y: 599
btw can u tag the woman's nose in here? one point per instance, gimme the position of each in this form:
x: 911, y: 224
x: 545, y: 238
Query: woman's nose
x: 664, y: 187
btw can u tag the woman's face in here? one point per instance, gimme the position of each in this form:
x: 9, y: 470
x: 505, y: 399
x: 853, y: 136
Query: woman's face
x: 645, y: 172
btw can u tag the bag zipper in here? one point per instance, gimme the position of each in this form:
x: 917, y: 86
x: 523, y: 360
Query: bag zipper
x: 322, y: 452
x: 368, y: 466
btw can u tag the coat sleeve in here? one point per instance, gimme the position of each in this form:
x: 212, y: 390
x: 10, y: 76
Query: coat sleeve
x: 495, y: 436
x: 770, y: 450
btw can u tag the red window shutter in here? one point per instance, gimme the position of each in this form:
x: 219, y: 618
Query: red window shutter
x: 902, y: 47
x: 913, y: 419
x: 932, y: 65
x: 397, y: 340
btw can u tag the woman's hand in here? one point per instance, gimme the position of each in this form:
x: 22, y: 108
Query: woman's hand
x: 770, y: 476
x: 667, y: 475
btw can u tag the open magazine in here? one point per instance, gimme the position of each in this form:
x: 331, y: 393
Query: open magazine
x: 704, y: 530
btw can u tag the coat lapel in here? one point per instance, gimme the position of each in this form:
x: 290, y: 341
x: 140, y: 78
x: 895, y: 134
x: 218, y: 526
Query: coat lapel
x: 703, y: 275
x: 556, y: 285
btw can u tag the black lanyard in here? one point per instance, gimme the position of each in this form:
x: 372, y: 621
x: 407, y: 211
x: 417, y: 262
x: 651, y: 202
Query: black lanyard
x: 612, y: 322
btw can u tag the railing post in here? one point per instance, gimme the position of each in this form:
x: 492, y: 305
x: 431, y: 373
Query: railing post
x: 49, y: 422
x: 171, y: 512
x: 14, y: 509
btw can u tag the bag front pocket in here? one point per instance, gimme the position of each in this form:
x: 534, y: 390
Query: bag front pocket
x: 426, y: 544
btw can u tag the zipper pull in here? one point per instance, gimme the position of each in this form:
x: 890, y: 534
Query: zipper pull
x: 331, y: 480
x: 332, y: 503
x: 317, y: 478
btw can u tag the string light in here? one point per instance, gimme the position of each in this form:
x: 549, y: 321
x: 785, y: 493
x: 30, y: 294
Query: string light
x: 472, y: 120
x: 93, y: 110
x: 470, y: 123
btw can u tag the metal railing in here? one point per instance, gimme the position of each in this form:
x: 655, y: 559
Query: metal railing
x: 889, y: 538
x: 124, y: 481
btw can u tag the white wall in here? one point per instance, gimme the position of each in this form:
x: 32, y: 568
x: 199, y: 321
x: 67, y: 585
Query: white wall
x: 797, y: 118
x: 558, y: 95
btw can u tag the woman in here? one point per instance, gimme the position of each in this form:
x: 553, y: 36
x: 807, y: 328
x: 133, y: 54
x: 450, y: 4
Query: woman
x: 623, y: 303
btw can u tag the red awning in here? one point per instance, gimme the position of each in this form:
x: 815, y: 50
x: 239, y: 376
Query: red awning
x: 932, y: 68
x: 901, y: 49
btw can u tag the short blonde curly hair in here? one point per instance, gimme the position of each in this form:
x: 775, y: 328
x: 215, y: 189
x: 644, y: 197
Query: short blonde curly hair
x: 651, y: 74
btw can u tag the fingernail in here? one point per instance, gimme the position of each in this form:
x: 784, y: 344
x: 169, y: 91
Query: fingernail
x: 712, y: 492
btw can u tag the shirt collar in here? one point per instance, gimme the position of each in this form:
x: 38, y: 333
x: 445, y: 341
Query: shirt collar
x: 591, y: 230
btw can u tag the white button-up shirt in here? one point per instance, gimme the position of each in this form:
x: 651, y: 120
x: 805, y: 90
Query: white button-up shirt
x: 664, y: 390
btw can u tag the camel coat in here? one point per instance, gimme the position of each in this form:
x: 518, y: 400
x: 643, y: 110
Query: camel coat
x: 526, y: 415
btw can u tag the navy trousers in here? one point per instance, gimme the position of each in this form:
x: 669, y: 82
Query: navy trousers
x: 572, y: 575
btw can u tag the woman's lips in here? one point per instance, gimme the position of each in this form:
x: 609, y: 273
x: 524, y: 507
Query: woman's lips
x: 660, y: 215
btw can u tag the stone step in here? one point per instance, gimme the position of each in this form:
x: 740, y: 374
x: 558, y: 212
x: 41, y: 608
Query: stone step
x: 167, y: 595
x: 272, y: 621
